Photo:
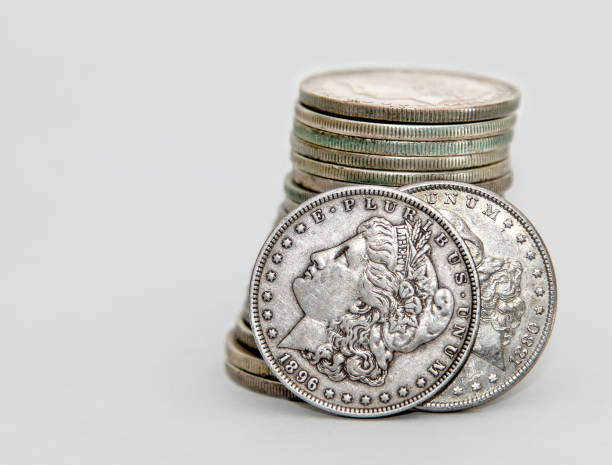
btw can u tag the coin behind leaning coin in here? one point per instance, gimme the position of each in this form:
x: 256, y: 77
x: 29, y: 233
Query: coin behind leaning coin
x: 364, y: 302
x: 518, y: 291
x: 409, y: 96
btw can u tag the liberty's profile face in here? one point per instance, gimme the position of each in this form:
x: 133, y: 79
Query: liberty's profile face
x: 334, y: 280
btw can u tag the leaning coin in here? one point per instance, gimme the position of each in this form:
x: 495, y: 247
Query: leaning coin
x: 257, y: 383
x: 414, y: 132
x: 364, y: 301
x: 242, y: 358
x: 397, y: 178
x: 392, y: 163
x: 243, y: 334
x: 400, y: 147
x: 519, y: 293
x: 409, y: 95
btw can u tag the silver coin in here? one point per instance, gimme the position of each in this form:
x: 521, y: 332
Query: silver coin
x: 312, y: 183
x: 240, y: 357
x: 401, y: 147
x: 518, y: 291
x: 393, y: 163
x: 416, y: 132
x: 397, y: 178
x: 409, y: 96
x: 363, y: 302
x: 244, y: 335
x: 295, y: 192
x: 257, y: 383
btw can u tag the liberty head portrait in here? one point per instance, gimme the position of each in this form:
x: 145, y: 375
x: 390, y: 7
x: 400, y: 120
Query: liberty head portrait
x: 368, y: 298
x: 502, y: 306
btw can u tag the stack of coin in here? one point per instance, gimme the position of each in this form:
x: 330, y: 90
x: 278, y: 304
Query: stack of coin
x: 425, y: 134
x: 399, y: 127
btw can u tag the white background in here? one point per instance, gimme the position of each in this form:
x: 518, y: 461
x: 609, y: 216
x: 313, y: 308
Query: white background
x: 142, y: 150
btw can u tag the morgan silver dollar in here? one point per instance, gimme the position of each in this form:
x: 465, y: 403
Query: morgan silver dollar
x: 518, y: 291
x: 364, y: 301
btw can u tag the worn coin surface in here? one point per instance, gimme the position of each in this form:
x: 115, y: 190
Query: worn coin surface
x: 397, y: 178
x: 410, y: 96
x: 257, y: 383
x: 364, y: 302
x: 518, y: 291
x: 393, y: 163
x: 414, y: 132
x: 401, y: 147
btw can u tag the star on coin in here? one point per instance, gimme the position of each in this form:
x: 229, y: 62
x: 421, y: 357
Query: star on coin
x: 421, y: 382
x: 402, y: 391
x: 267, y: 314
x: 457, y: 391
x: 329, y: 393
x: 539, y: 291
x: 493, y: 378
x: 277, y: 258
x: 475, y: 387
x: 287, y: 242
x: 537, y: 273
x: 300, y: 228
x: 332, y: 210
x: 530, y: 255
x: 384, y: 397
x: 365, y: 400
x: 521, y: 238
x: 508, y: 224
x: 539, y: 310
x: 266, y: 296
x: 272, y: 333
x: 347, y: 398
x: 271, y: 275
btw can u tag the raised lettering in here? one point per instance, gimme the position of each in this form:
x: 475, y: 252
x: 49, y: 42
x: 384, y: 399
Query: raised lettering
x: 436, y: 367
x: 348, y: 204
x: 389, y: 206
x: 453, y: 258
x: 431, y: 197
x: 318, y: 216
x: 491, y: 212
x: 450, y: 350
x: 369, y: 204
x: 458, y: 331
x: 471, y: 202
x: 441, y: 239
x: 450, y: 198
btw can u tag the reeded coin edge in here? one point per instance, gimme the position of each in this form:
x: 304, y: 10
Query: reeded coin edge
x: 296, y: 388
x: 407, y: 132
x: 258, y: 384
x: 552, y: 285
x: 381, y: 112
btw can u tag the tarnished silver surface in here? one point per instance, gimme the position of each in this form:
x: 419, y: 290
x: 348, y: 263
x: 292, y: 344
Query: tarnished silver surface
x: 259, y: 384
x: 321, y: 184
x: 397, y: 178
x: 518, y: 291
x: 392, y: 163
x: 364, y: 302
x: 244, y: 359
x: 414, y: 132
x: 410, y: 96
x: 401, y: 148
x: 243, y: 334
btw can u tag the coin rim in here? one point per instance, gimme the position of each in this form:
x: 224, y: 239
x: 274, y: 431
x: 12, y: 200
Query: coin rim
x: 389, y: 113
x: 265, y: 351
x: 406, y: 132
x: 401, y: 148
x: 552, y: 283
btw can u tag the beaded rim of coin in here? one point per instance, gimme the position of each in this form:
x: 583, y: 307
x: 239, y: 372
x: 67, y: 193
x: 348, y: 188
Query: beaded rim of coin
x: 399, y: 147
x: 258, y: 384
x: 243, y: 334
x: 393, y: 163
x: 474, y: 98
x: 320, y: 184
x: 297, y: 389
x: 397, y: 178
x: 240, y: 357
x: 389, y: 131
x: 527, y: 365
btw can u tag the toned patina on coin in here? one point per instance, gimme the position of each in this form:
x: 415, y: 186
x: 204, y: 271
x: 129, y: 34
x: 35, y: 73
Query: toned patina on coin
x: 259, y: 384
x: 364, y: 301
x: 518, y: 291
x: 409, y: 96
